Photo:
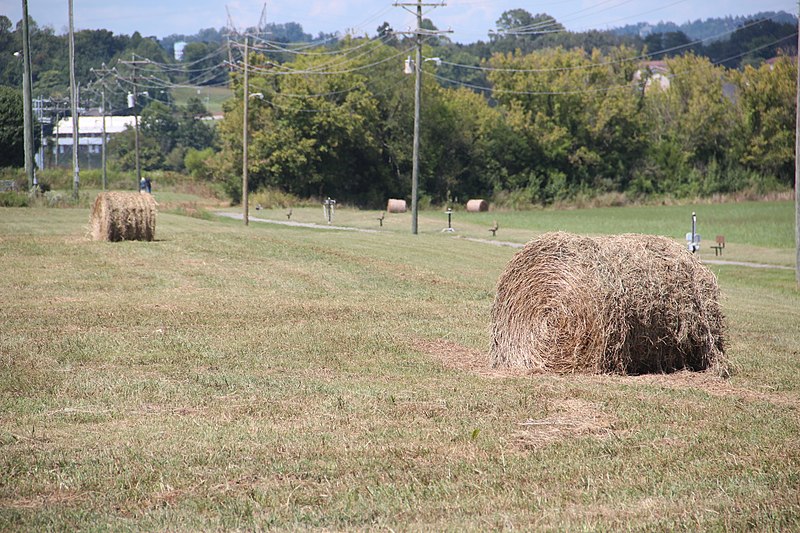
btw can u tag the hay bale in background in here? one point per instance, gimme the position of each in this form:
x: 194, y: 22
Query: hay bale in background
x: 477, y: 205
x: 123, y: 216
x: 396, y: 206
x: 626, y: 304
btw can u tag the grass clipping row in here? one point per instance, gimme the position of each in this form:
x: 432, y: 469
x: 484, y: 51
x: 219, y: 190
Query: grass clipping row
x: 628, y: 304
x: 123, y: 216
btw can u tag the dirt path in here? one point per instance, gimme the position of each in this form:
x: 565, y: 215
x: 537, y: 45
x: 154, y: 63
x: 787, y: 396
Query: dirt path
x: 707, y: 261
x: 238, y: 216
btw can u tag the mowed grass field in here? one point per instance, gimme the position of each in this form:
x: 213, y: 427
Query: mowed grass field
x: 212, y: 97
x: 232, y: 377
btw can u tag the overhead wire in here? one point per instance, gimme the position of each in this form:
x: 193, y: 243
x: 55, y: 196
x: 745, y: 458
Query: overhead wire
x: 594, y: 90
x: 331, y: 72
x: 552, y: 22
x: 341, y: 59
x: 606, y: 63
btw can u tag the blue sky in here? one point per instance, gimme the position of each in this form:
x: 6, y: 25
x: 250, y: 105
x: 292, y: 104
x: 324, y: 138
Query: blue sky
x: 470, y: 20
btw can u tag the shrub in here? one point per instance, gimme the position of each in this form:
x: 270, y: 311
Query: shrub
x: 271, y: 198
x: 14, y: 199
x: 197, y: 163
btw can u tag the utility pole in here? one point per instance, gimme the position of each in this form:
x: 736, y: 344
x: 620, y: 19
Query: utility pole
x: 27, y: 98
x: 73, y: 93
x: 797, y: 166
x: 40, y: 118
x: 104, y: 71
x: 418, y: 34
x: 103, y: 112
x: 132, y: 104
x: 58, y: 145
x: 245, y: 110
x: 136, y: 127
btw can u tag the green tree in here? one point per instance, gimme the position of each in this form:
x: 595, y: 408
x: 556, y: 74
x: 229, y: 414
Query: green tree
x: 576, y: 117
x: 313, y: 135
x: 122, y: 148
x: 518, y: 30
x: 159, y: 124
x: 12, y: 153
x: 457, y: 159
x: 766, y: 96
x: 203, y: 63
x: 193, y: 130
x: 690, y: 124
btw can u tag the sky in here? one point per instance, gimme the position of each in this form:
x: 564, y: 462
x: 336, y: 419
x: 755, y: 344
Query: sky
x: 470, y: 20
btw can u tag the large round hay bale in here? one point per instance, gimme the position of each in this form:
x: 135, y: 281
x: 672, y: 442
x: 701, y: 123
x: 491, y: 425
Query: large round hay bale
x: 123, y: 216
x: 477, y: 205
x: 396, y: 206
x: 626, y: 304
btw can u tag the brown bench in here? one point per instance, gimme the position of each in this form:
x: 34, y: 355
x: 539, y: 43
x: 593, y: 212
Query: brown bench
x: 720, y: 245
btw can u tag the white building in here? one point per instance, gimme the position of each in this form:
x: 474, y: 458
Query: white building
x: 90, y: 137
x: 90, y: 131
x: 178, y: 47
x: 658, y: 75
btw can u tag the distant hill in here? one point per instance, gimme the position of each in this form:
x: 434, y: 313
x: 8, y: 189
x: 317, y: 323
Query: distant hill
x: 704, y: 29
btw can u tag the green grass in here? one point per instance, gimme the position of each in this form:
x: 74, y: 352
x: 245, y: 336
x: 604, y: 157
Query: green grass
x: 231, y: 377
x: 754, y: 231
x: 212, y: 97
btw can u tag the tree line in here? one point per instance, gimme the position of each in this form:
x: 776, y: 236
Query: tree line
x: 523, y: 118
x: 535, y: 128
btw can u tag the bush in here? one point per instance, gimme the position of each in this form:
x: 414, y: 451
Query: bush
x: 518, y: 199
x: 275, y: 198
x: 14, y: 199
x: 197, y: 163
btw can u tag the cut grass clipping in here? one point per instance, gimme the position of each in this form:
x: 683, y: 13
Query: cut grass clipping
x: 123, y: 216
x: 627, y: 304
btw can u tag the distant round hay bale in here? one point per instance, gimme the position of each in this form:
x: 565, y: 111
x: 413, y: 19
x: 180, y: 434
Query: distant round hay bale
x: 123, y: 216
x: 627, y: 304
x: 396, y: 206
x: 477, y: 205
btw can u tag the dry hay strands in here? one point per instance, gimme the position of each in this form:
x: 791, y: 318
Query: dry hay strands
x: 628, y: 304
x: 123, y: 216
x: 395, y: 205
x: 477, y: 205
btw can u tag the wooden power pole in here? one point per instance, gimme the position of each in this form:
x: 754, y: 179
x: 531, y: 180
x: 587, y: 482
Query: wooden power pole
x: 132, y: 96
x: 245, y: 113
x: 27, y: 98
x: 797, y: 165
x: 418, y: 34
x: 73, y: 94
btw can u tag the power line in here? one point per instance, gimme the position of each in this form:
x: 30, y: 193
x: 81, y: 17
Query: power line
x: 418, y: 34
x: 595, y: 90
x: 607, y: 63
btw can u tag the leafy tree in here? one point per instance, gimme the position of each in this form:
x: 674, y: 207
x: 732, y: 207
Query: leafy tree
x: 690, y: 125
x: 12, y: 153
x: 765, y: 140
x: 457, y: 150
x: 671, y: 43
x: 203, y: 63
x: 517, y: 29
x: 754, y: 40
x: 324, y: 143
x: 577, y: 117
x: 122, y: 146
x: 159, y: 124
x: 193, y: 131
